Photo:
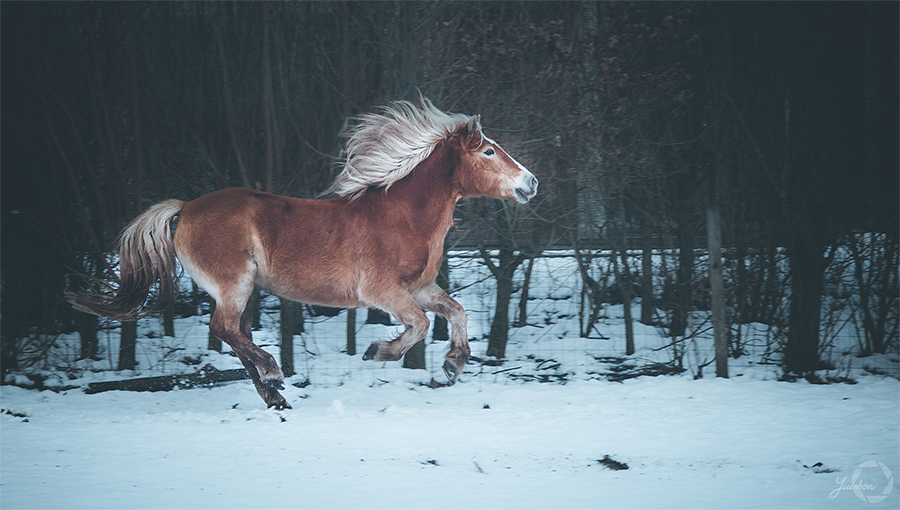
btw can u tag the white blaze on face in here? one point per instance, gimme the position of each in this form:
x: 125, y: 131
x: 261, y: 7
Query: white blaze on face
x: 525, y: 184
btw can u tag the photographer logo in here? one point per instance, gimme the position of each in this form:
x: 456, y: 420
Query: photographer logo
x: 858, y: 486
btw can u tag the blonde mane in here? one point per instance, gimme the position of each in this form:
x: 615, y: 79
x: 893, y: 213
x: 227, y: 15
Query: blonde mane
x: 385, y: 147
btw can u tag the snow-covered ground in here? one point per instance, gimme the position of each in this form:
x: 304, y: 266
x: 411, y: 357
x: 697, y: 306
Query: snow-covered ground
x: 374, y: 435
x: 712, y: 443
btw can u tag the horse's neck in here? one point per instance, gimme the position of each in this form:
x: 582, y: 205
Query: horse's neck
x: 425, y: 199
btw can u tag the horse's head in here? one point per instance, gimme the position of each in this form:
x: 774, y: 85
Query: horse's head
x: 486, y: 169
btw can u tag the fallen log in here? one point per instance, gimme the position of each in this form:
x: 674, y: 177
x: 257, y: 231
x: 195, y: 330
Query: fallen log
x: 623, y: 372
x: 207, y: 377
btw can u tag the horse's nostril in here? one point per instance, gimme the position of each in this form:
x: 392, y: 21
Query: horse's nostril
x: 534, y: 182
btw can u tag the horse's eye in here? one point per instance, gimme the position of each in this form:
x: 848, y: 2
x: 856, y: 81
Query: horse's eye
x: 489, y: 152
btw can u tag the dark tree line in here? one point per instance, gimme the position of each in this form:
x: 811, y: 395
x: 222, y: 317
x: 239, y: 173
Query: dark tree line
x: 638, y: 118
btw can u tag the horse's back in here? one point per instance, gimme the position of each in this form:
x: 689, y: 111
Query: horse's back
x: 242, y: 218
x: 296, y: 248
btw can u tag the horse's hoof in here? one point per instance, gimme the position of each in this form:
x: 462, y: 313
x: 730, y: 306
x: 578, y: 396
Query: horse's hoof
x: 371, y: 352
x: 280, y: 405
x: 380, y: 351
x: 451, y: 371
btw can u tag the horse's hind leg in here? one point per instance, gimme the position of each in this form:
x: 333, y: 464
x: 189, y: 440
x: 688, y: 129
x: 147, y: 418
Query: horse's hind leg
x: 266, y: 391
x: 275, y: 382
x: 434, y: 299
x: 231, y: 323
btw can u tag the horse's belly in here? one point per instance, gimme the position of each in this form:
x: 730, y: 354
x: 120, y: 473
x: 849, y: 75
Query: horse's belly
x: 319, y: 287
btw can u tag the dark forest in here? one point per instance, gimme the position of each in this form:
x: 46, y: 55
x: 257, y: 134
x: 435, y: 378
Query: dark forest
x: 642, y: 121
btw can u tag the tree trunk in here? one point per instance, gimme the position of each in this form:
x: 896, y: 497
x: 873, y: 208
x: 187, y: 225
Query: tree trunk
x: 744, y: 308
x: 590, y: 291
x: 647, y: 305
x: 440, y: 330
x: 86, y: 324
x: 523, y: 302
x: 408, y: 56
x: 885, y: 329
x: 499, y: 333
x: 771, y: 294
x: 291, y: 324
x: 168, y: 316
x: 231, y: 115
x: 128, y: 346
x: 875, y: 273
x: 415, y: 356
x: 801, y: 353
x: 717, y: 288
x: 9, y: 355
x: 623, y: 279
x: 376, y: 316
x: 168, y: 321
x: 684, y: 283
x: 867, y: 348
x: 254, y: 302
x: 213, y: 342
x: 268, y: 100
x: 195, y: 298
x: 351, y: 332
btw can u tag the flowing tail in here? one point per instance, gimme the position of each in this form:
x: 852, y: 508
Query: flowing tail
x: 146, y: 256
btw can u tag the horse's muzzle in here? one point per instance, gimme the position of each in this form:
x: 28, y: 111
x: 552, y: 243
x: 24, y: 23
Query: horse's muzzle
x: 527, y: 188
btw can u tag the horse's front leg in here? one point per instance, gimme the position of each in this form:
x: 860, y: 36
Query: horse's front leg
x: 434, y: 299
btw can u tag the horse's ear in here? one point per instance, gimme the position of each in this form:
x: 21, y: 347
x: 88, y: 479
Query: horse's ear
x: 471, y: 133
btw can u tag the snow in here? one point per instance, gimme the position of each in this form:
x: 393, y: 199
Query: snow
x: 710, y: 443
x: 374, y: 435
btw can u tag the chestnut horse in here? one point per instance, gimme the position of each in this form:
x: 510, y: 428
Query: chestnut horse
x: 378, y: 244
